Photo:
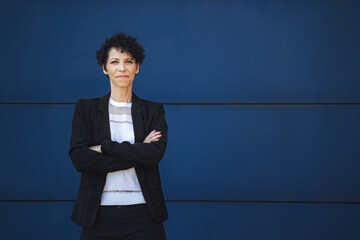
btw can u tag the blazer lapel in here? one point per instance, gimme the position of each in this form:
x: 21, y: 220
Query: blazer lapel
x: 136, y: 114
x: 137, y: 118
x: 103, y: 118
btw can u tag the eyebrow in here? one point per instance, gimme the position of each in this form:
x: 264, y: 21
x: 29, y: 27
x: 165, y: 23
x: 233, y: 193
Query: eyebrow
x: 125, y: 58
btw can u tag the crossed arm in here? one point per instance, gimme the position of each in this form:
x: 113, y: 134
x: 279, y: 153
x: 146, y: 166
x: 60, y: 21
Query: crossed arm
x: 113, y: 156
x: 152, y: 137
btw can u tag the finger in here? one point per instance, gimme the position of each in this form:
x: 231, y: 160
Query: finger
x: 154, y: 131
x: 148, y: 139
x: 155, y: 136
x: 154, y: 139
x: 151, y: 133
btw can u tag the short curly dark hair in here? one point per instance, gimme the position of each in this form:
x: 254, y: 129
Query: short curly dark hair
x: 123, y: 42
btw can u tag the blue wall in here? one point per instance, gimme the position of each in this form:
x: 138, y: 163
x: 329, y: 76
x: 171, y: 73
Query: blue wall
x: 262, y: 101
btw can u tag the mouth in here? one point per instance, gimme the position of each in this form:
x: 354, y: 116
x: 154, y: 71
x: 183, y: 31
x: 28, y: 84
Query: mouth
x: 122, y: 76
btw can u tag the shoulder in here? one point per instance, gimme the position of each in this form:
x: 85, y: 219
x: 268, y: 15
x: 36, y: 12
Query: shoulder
x: 87, y: 107
x: 88, y: 103
x: 154, y: 113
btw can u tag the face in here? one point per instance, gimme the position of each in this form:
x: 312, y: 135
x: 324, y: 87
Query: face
x: 121, y: 69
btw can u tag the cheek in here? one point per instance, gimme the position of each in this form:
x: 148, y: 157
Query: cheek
x: 134, y: 70
x: 112, y: 70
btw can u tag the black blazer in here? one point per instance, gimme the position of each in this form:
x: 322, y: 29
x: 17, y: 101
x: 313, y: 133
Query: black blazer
x: 90, y: 126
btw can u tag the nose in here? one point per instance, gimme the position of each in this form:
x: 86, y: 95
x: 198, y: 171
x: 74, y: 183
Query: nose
x: 121, y: 67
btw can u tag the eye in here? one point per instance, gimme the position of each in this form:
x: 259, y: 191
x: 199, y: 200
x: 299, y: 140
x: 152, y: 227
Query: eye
x: 114, y: 61
x: 129, y: 61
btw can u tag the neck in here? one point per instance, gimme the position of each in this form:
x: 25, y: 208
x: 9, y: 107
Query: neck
x: 121, y: 94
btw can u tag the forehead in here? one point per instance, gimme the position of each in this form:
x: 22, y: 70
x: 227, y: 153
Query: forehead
x: 116, y: 53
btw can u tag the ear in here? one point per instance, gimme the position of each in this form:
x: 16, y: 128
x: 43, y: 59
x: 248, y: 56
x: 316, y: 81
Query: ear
x: 137, y: 68
x: 104, y: 70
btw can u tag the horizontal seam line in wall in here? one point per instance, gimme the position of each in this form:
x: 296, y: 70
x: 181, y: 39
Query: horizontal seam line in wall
x: 239, y: 103
x: 210, y: 201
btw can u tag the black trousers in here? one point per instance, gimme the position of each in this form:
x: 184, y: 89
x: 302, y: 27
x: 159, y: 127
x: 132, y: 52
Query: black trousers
x: 124, y: 222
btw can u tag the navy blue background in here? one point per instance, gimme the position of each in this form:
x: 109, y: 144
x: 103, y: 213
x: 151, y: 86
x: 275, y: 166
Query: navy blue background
x: 261, y: 98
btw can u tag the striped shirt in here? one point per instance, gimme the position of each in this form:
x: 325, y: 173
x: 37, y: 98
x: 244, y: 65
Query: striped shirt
x: 121, y: 187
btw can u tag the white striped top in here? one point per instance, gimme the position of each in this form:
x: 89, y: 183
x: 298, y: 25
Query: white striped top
x: 121, y: 187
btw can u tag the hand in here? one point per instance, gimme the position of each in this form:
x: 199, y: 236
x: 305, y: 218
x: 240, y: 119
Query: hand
x: 153, y: 136
x: 96, y: 148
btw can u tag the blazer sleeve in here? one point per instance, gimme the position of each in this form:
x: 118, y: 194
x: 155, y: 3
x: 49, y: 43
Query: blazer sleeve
x: 85, y: 159
x: 148, y: 154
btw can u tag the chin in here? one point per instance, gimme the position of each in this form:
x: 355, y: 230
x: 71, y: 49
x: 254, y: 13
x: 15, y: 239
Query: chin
x: 122, y: 84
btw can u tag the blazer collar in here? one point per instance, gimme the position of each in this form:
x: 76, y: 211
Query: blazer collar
x: 137, y: 108
x: 104, y: 102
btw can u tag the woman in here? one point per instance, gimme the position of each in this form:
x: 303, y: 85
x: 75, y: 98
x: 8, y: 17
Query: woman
x: 116, y: 143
